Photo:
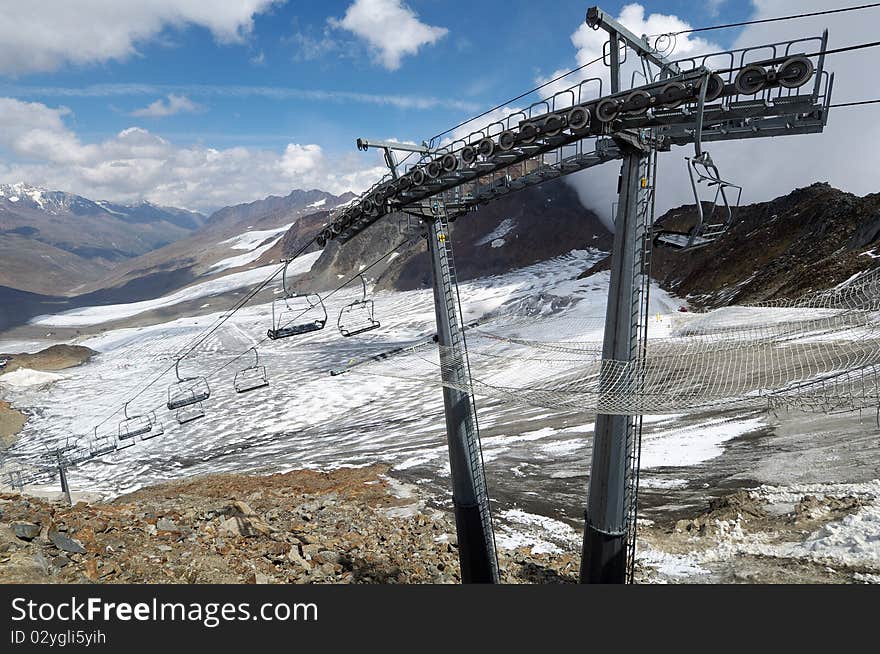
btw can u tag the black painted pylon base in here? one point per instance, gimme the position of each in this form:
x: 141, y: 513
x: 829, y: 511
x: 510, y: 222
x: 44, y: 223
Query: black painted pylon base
x: 473, y: 552
x: 603, y: 560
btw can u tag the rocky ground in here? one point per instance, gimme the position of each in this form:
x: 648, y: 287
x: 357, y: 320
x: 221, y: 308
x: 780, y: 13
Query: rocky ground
x: 358, y: 525
x: 11, y: 422
x: 346, y: 526
x: 749, y: 537
x: 57, y: 357
x: 810, y: 240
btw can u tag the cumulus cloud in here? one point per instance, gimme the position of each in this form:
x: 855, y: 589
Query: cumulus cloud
x: 390, y: 28
x: 766, y: 168
x: 174, y: 104
x: 45, y: 35
x: 136, y: 164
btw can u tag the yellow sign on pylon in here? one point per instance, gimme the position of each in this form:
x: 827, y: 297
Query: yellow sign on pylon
x: 442, y: 237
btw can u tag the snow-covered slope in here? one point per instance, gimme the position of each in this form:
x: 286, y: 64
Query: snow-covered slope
x: 537, y: 459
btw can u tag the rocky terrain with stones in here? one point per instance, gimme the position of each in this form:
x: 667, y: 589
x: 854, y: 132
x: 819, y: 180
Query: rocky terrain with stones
x: 340, y: 527
x: 361, y: 526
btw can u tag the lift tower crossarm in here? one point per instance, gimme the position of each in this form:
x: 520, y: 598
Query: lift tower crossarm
x: 364, y: 144
x: 598, y: 19
x: 389, y: 148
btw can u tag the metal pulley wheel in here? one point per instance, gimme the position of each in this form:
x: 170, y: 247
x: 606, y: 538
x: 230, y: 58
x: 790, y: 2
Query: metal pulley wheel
x: 795, y: 72
x: 673, y: 95
x: 715, y: 87
x: 433, y: 170
x: 449, y: 162
x: 578, y: 118
x: 468, y: 155
x: 552, y: 125
x: 506, y: 141
x: 637, y: 102
x: 528, y: 133
x: 486, y: 147
x: 607, y: 110
x: 418, y: 177
x: 750, y: 80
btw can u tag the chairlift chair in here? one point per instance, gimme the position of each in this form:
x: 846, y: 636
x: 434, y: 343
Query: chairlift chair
x: 125, y: 444
x: 187, y: 391
x: 61, y: 447
x: 719, y: 219
x: 146, y: 426
x: 102, y: 445
x: 252, y: 378
x: 288, y: 309
x: 190, y: 413
x: 77, y: 456
x: 358, y: 317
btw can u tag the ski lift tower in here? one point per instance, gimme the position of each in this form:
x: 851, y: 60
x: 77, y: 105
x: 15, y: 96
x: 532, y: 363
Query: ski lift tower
x: 470, y: 496
x: 605, y: 529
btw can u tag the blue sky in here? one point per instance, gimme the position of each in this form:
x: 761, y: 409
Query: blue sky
x: 248, y: 79
x: 493, y: 51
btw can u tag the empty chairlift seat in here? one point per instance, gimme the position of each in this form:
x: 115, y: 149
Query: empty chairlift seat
x: 358, y: 317
x: 187, y: 391
x: 145, y: 427
x: 102, y: 445
x: 294, y: 315
x: 711, y: 225
x: 252, y: 378
x: 190, y: 413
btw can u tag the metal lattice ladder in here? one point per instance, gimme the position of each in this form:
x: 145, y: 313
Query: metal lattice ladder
x: 455, y: 368
x: 640, y: 317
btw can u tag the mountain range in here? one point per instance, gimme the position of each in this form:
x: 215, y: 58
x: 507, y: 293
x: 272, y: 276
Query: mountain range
x: 811, y: 239
x: 76, y: 240
x: 60, y: 251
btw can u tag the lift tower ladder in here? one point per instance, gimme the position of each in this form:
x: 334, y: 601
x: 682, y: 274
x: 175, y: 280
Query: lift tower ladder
x: 470, y: 496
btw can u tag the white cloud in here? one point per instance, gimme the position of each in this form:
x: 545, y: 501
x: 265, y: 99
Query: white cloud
x: 767, y: 168
x: 174, y: 104
x: 390, y: 28
x: 310, y: 48
x: 239, y: 91
x: 45, y: 35
x: 136, y: 164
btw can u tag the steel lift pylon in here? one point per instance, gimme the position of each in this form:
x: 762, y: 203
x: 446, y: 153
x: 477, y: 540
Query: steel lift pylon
x: 470, y: 496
